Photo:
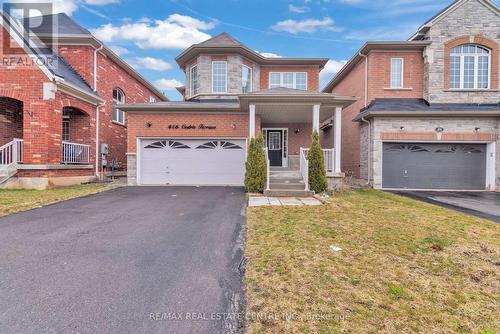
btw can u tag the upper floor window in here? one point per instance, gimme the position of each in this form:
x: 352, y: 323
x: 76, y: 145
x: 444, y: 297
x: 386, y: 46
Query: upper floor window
x: 296, y: 80
x: 118, y: 98
x: 246, y: 79
x: 470, y: 67
x: 152, y: 99
x: 219, y: 77
x: 193, y: 80
x: 397, y: 70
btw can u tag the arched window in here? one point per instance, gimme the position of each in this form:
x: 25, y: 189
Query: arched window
x: 470, y: 67
x: 118, y: 98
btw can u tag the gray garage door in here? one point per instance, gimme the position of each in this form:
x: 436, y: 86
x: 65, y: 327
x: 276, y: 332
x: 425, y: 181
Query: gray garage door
x: 434, y: 166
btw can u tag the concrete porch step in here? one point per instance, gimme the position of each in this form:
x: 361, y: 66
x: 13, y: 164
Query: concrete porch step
x: 288, y: 193
x: 286, y: 180
x: 288, y: 174
x: 287, y: 186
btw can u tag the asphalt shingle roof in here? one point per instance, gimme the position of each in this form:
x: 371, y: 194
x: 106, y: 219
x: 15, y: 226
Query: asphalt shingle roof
x: 59, y: 24
x: 423, y: 105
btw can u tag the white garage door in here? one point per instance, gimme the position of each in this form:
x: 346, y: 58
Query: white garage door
x: 192, y: 162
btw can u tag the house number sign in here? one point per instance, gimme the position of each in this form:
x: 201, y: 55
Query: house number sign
x: 192, y: 127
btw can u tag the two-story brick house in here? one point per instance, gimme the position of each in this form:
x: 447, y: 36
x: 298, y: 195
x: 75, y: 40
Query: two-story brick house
x: 233, y: 93
x: 59, y: 87
x: 428, y: 114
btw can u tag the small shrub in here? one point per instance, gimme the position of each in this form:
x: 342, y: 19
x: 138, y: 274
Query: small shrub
x: 256, y: 169
x: 317, y: 173
x: 395, y: 291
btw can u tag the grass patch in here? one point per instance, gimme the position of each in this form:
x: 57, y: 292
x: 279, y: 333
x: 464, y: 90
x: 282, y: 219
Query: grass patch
x: 16, y: 200
x: 405, y: 267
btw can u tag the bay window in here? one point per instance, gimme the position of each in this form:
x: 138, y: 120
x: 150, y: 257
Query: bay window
x: 219, y: 77
x: 193, y: 80
x: 246, y: 79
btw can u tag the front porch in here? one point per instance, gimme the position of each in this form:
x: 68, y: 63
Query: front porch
x: 287, y: 118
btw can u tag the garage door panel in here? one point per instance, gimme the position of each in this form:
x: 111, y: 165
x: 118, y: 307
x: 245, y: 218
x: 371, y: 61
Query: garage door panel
x: 193, y: 162
x: 434, y: 166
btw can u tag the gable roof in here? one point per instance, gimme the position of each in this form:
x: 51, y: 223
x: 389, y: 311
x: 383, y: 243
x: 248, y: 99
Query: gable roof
x: 422, y: 30
x: 66, y: 30
x: 225, y: 43
x: 58, y: 24
x: 222, y: 39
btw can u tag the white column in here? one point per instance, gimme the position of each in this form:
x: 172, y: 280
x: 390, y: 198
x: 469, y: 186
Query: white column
x: 251, y: 122
x: 315, y: 120
x: 337, y: 139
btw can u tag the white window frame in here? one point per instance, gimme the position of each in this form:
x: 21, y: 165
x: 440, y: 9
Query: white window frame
x: 402, y: 72
x: 115, y: 104
x: 476, y: 67
x: 225, y: 83
x: 152, y: 99
x: 192, y: 91
x: 281, y: 74
x: 251, y: 78
x: 66, y: 122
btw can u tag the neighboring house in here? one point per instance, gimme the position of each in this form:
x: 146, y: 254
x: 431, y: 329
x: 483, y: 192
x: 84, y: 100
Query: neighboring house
x: 233, y: 93
x: 428, y: 114
x: 58, y: 107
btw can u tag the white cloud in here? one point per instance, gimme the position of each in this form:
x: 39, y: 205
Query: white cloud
x: 332, y: 67
x: 101, y: 2
x: 297, y: 9
x: 307, y: 25
x: 150, y: 63
x: 174, y: 32
x: 120, y: 50
x: 167, y: 84
x: 269, y: 54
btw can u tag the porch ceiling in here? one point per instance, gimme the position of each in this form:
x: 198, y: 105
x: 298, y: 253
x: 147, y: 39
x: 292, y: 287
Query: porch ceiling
x: 291, y: 112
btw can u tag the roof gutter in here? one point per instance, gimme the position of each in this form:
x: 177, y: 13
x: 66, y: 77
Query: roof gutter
x: 77, y: 92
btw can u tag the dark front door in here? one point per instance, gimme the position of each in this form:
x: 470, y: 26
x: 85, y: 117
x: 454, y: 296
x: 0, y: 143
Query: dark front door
x: 275, y: 147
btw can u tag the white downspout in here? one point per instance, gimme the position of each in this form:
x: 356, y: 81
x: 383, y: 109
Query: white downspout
x: 96, y: 114
x: 366, y: 77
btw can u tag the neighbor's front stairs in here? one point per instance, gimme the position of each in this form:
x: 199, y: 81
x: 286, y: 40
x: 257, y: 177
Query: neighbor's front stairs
x: 286, y: 182
x: 10, y: 155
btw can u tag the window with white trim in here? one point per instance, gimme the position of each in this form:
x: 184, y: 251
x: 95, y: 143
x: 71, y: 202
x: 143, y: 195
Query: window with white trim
x: 118, y: 98
x: 152, y: 99
x: 193, y: 80
x: 219, y: 77
x: 246, y: 79
x: 470, y: 67
x: 295, y: 80
x: 397, y: 70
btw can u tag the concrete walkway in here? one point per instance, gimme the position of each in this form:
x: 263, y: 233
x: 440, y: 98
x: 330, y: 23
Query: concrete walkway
x: 281, y: 201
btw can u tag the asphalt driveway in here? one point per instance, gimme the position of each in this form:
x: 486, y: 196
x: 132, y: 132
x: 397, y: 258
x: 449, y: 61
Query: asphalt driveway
x: 479, y: 204
x: 131, y: 260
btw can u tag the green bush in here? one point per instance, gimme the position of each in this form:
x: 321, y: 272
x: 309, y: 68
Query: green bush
x: 256, y: 169
x: 317, y: 173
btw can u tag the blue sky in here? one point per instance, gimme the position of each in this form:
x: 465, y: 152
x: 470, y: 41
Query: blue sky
x: 150, y: 34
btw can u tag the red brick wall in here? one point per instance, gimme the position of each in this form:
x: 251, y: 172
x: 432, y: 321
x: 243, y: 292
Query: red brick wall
x: 379, y: 80
x: 11, y: 120
x: 353, y: 85
x: 109, y: 76
x: 312, y: 75
x: 228, y: 125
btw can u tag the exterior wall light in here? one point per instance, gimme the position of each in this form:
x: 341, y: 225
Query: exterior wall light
x: 439, y: 129
x: 148, y: 124
x: 297, y: 131
x: 402, y: 128
x: 477, y: 129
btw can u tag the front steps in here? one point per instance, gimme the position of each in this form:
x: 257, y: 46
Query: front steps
x: 286, y: 183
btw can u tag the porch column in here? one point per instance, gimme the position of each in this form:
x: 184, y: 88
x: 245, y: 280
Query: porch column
x: 337, y: 139
x: 251, y: 121
x: 315, y: 120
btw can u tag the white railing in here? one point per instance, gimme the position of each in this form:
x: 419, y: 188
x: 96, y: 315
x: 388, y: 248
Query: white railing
x: 304, y: 167
x: 268, y: 169
x: 328, y: 156
x: 11, y: 153
x: 73, y: 153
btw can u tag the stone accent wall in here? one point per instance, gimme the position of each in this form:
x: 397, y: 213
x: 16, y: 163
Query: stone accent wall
x: 472, y: 19
x: 363, y: 152
x: 131, y: 169
x: 234, y: 80
x: 462, y: 126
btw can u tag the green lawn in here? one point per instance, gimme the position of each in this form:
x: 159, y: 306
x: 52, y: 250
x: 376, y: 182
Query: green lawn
x: 405, y: 267
x: 20, y: 200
